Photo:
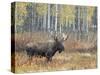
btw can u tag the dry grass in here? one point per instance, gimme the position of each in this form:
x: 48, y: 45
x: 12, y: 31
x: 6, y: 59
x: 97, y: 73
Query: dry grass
x: 70, y: 59
x: 62, y: 61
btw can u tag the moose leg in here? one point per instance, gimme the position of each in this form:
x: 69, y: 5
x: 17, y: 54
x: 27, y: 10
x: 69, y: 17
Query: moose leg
x: 29, y: 58
x: 49, y: 55
x: 49, y: 59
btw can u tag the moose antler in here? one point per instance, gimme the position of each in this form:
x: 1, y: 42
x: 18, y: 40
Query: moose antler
x: 65, y: 36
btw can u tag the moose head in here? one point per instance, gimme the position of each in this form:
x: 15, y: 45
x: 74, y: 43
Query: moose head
x: 59, y: 43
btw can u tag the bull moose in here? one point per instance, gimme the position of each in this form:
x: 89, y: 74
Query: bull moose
x: 48, y: 49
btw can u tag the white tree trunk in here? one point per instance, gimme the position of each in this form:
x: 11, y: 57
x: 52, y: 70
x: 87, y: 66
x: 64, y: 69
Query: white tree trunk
x: 49, y: 17
x: 79, y: 33
x: 60, y: 28
x: 32, y: 16
x: 66, y: 23
x: 56, y: 18
x: 44, y: 22
x: 73, y: 25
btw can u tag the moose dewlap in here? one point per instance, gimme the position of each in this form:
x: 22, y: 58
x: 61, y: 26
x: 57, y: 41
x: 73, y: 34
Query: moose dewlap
x: 52, y: 37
